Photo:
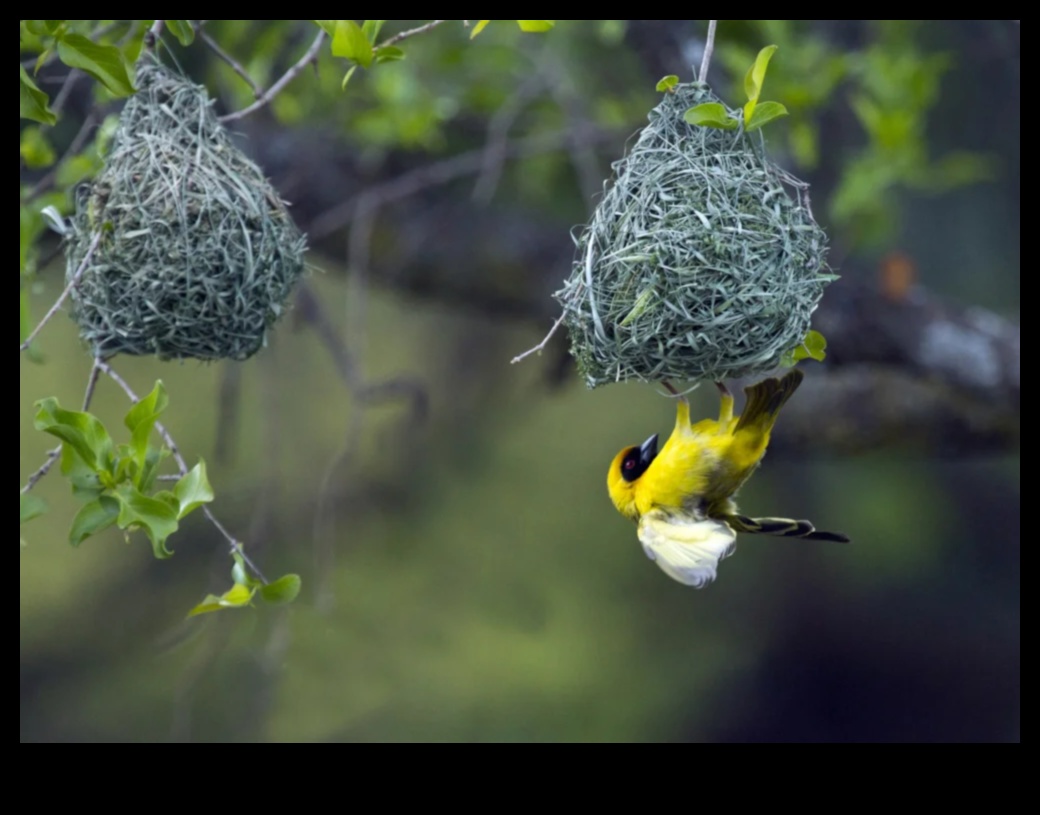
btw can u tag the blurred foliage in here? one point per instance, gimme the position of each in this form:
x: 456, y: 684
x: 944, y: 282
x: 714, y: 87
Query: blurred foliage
x: 891, y: 84
x: 466, y: 579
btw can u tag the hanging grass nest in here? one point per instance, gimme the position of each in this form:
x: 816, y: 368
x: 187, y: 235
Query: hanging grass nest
x: 702, y: 261
x: 198, y: 254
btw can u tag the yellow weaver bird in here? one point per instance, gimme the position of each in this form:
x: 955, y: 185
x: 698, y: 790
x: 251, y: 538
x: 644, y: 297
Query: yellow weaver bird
x: 682, y: 496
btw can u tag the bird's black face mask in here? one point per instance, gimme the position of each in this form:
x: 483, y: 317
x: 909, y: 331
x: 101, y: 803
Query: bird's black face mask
x: 637, y: 459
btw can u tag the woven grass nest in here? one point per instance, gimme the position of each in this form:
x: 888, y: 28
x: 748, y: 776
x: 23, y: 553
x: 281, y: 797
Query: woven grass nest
x: 701, y: 262
x: 197, y: 255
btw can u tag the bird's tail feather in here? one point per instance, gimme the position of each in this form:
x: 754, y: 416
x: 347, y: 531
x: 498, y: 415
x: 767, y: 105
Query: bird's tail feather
x: 783, y: 527
x: 765, y: 399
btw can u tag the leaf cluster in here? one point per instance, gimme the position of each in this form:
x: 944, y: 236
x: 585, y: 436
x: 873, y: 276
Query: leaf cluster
x: 245, y: 587
x: 756, y: 114
x: 109, y: 64
x: 814, y: 346
x: 117, y: 482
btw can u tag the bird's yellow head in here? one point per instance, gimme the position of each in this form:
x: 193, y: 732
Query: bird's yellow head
x: 624, y: 473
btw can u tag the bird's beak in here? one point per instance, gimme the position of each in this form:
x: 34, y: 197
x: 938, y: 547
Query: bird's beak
x: 648, y: 450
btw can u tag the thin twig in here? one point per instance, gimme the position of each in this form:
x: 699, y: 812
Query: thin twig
x: 88, y: 396
x: 709, y: 46
x: 64, y: 294
x: 53, y: 454
x: 409, y: 33
x: 77, y: 142
x: 540, y: 346
x: 63, y: 94
x: 278, y: 86
x: 182, y: 465
x: 42, y: 471
x: 152, y: 35
x: 214, y: 46
x: 236, y: 545
x: 310, y: 308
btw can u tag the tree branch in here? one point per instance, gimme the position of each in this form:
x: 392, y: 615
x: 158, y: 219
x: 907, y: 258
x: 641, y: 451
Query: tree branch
x: 214, y: 46
x: 867, y: 407
x: 61, y: 299
x: 409, y: 33
x: 53, y: 454
x: 182, y: 465
x: 540, y: 346
x: 278, y: 86
x: 967, y: 348
x: 442, y: 172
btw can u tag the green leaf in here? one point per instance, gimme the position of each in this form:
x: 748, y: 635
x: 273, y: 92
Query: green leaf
x: 347, y: 76
x: 146, y: 475
x: 239, y: 573
x: 126, y: 468
x: 710, y: 114
x: 31, y: 506
x: 640, y: 306
x: 103, y: 62
x: 75, y: 169
x: 814, y: 346
x: 350, y: 41
x: 182, y: 30
x: 666, y: 83
x: 157, y: 517
x: 106, y: 133
x: 141, y: 418
x: 235, y: 597
x: 30, y: 225
x: 328, y: 26
x: 168, y: 498
x: 480, y: 26
x: 536, y: 26
x: 32, y: 102
x: 754, y: 78
x: 389, y: 53
x: 41, y: 27
x: 86, y: 485
x: 93, y: 517
x: 756, y: 74
x: 283, y: 590
x: 209, y: 604
x: 193, y: 490
x: 35, y: 149
x: 371, y: 28
x: 83, y: 432
x: 764, y: 113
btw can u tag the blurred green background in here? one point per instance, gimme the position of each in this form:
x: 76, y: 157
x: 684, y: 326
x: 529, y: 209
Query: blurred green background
x: 465, y: 575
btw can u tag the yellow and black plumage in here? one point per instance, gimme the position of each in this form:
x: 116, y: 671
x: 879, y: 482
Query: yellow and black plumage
x: 683, y: 496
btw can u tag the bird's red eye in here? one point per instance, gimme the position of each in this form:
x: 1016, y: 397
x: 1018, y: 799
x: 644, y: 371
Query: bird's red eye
x: 630, y: 464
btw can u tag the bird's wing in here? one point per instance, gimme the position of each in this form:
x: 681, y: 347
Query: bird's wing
x: 686, y: 547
